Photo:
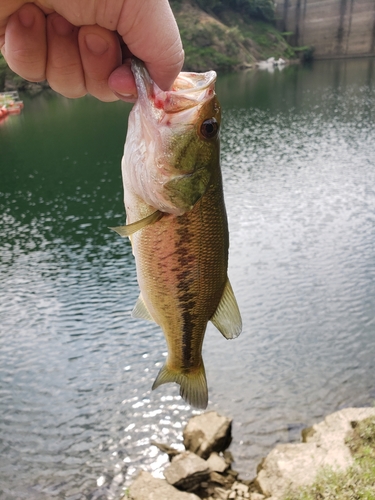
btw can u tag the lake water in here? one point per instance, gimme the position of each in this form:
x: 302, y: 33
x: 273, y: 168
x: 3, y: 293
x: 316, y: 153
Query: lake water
x: 76, y: 410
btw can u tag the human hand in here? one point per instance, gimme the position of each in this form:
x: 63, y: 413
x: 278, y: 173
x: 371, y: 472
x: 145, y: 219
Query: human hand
x: 85, y: 47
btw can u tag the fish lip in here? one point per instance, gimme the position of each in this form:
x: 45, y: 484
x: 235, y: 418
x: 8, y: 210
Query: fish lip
x: 196, y: 82
x: 189, y: 89
x: 143, y: 81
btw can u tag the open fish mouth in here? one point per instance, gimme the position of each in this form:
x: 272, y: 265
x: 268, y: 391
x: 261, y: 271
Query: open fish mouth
x: 189, y: 90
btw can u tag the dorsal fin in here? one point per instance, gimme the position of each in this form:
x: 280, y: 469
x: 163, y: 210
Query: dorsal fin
x: 130, y: 229
x: 227, y: 317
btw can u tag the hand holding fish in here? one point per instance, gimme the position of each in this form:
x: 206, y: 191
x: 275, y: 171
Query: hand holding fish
x: 85, y: 47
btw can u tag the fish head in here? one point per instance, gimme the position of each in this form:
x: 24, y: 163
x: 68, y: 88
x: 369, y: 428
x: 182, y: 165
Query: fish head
x: 172, y: 148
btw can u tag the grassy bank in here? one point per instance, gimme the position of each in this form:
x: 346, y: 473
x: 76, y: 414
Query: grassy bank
x: 358, y: 482
x: 228, y: 41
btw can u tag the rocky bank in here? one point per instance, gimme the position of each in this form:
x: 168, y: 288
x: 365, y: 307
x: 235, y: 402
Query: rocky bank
x: 204, y: 470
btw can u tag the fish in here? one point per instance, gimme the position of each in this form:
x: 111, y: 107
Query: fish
x: 177, y: 223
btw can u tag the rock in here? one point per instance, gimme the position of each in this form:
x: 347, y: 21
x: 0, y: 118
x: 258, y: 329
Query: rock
x: 336, y: 426
x: 147, y: 487
x: 216, y: 463
x: 217, y: 478
x: 233, y: 473
x: 256, y: 496
x: 290, y: 466
x: 186, y: 471
x: 228, y: 457
x: 171, y: 452
x: 206, y: 433
x: 221, y: 493
x: 240, y: 488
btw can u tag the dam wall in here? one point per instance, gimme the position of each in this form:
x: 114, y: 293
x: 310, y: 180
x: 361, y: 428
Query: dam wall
x: 335, y: 28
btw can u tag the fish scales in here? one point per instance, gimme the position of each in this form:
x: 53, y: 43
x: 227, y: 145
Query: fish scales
x: 191, y: 275
x: 177, y: 223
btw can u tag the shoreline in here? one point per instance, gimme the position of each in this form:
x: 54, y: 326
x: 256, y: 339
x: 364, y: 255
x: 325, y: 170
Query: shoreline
x: 204, y: 469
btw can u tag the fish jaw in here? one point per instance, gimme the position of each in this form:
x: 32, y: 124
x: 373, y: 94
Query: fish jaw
x: 167, y: 161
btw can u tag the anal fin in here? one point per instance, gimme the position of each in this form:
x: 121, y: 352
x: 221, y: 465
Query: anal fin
x: 140, y: 310
x: 227, y: 317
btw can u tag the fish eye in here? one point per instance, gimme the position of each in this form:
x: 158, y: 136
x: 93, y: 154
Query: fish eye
x: 209, y: 128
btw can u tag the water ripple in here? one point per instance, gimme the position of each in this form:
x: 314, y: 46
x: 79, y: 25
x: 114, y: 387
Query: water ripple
x: 75, y: 368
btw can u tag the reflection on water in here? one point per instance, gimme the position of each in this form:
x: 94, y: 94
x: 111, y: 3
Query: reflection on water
x: 77, y: 413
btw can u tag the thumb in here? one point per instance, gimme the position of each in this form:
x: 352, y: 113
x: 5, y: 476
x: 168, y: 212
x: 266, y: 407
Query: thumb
x: 151, y: 33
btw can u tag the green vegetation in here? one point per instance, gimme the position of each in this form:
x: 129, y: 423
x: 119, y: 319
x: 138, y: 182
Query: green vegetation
x: 257, y: 9
x: 228, y: 40
x: 7, y: 74
x: 306, y: 53
x: 358, y: 482
x: 3, y: 68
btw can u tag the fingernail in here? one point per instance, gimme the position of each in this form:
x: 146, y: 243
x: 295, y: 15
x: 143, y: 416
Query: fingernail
x: 26, y: 17
x: 126, y: 97
x: 61, y: 26
x: 96, y: 44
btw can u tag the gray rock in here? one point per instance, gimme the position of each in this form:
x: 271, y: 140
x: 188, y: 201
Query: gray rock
x: 206, y: 433
x: 217, y: 478
x: 216, y: 463
x: 336, y: 426
x: 290, y: 466
x: 221, y: 493
x: 147, y: 487
x: 169, y: 450
x: 186, y: 471
x: 240, y: 488
x: 228, y: 457
x: 256, y: 496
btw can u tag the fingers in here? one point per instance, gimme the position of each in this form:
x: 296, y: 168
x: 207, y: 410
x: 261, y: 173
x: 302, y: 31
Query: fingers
x: 150, y: 31
x: 78, y: 60
x: 81, y: 60
x: 122, y: 83
x: 100, y: 54
x: 88, y: 58
x: 64, y: 68
x: 25, y: 46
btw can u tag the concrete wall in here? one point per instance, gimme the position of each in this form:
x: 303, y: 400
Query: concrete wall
x: 336, y: 28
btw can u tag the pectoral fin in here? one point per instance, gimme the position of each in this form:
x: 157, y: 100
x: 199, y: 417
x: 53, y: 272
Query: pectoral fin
x: 130, y: 229
x: 140, y: 310
x: 227, y: 317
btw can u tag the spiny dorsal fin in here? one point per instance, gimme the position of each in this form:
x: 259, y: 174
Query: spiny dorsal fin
x: 193, y: 385
x: 227, y: 317
x: 130, y: 229
x: 140, y: 310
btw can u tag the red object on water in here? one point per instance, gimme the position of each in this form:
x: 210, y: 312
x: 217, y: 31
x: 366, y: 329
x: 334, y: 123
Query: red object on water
x: 10, y: 104
x: 3, y: 112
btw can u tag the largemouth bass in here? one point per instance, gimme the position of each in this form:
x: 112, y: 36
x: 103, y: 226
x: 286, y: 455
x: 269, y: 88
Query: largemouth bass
x: 177, y: 223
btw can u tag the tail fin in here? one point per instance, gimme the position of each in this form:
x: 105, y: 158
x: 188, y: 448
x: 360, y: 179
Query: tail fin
x: 193, y: 385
